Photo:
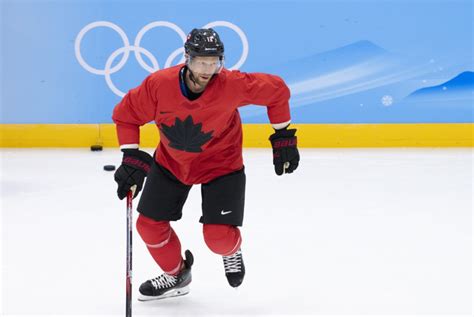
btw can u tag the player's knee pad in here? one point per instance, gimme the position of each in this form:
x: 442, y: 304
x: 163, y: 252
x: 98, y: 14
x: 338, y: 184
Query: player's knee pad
x: 222, y: 239
x: 155, y: 234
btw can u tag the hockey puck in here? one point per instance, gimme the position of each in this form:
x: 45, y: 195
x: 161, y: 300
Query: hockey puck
x: 109, y: 167
x: 96, y: 147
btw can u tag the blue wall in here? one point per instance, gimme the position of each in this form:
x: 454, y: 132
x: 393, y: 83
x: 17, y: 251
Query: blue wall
x: 345, y: 61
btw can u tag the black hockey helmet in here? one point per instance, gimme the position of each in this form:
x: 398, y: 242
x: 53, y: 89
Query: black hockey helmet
x: 204, y: 42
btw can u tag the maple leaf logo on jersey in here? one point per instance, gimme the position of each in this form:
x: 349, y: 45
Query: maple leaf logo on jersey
x: 185, y: 135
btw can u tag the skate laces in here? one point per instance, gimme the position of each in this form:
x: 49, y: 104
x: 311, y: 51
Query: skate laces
x: 233, y: 263
x: 163, y: 281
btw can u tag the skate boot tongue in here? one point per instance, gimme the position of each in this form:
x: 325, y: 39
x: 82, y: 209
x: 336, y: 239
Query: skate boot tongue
x: 234, y: 268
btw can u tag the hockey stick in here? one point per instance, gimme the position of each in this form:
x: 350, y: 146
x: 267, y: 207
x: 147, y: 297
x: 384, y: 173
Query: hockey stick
x: 128, y: 301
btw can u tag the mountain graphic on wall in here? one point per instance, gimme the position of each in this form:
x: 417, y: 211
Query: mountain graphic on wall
x: 450, y: 101
x: 349, y: 84
x: 346, y: 70
x: 349, y: 54
x: 339, y: 84
x: 330, y: 61
x: 461, y: 85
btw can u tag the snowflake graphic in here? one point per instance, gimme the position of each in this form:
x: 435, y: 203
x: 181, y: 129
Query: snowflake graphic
x: 387, y: 100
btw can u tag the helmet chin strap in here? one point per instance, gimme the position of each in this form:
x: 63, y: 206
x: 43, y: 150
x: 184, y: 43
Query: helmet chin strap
x: 222, y: 60
x: 191, y: 74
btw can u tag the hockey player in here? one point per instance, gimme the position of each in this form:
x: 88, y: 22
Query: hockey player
x: 194, y: 106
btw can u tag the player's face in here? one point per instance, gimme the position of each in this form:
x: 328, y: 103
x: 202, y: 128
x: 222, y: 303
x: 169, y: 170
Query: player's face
x: 203, y: 67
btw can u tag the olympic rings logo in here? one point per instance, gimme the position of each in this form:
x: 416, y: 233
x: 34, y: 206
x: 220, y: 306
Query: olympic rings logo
x: 138, y: 50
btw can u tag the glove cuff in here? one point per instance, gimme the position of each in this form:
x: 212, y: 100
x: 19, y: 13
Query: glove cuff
x: 282, y: 133
x: 137, y: 159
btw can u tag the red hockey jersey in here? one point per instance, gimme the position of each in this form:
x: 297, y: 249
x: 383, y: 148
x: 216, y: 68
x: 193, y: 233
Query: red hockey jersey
x: 201, y: 139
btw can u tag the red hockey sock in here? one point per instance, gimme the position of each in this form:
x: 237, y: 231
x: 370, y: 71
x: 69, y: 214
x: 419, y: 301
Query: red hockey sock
x: 162, y: 242
x: 222, y: 239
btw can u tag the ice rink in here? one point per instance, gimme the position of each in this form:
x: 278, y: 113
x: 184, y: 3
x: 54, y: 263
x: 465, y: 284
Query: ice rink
x: 352, y: 231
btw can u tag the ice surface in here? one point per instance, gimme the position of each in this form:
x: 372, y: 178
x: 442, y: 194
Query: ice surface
x: 353, y: 231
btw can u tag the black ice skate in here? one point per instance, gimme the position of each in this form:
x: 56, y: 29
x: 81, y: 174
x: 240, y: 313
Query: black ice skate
x: 166, y: 285
x: 234, y: 268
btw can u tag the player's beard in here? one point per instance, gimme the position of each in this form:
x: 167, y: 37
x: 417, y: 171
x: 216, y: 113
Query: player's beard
x: 199, y: 81
x: 203, y: 80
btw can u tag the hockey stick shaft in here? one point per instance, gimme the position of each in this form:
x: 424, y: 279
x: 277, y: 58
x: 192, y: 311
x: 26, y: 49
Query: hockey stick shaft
x: 128, y: 301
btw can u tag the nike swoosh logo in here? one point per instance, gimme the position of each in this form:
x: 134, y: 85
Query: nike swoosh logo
x: 225, y: 212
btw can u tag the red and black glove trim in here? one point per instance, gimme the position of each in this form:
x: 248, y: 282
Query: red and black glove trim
x: 285, y: 152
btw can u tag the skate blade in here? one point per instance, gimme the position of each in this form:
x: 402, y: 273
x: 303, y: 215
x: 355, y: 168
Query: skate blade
x: 172, y: 293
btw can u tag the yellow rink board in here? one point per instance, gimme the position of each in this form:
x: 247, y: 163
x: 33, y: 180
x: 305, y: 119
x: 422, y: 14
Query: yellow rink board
x: 255, y: 135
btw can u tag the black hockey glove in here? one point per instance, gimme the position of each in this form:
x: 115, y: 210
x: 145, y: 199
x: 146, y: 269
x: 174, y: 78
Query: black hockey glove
x: 134, y: 168
x: 285, y: 152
